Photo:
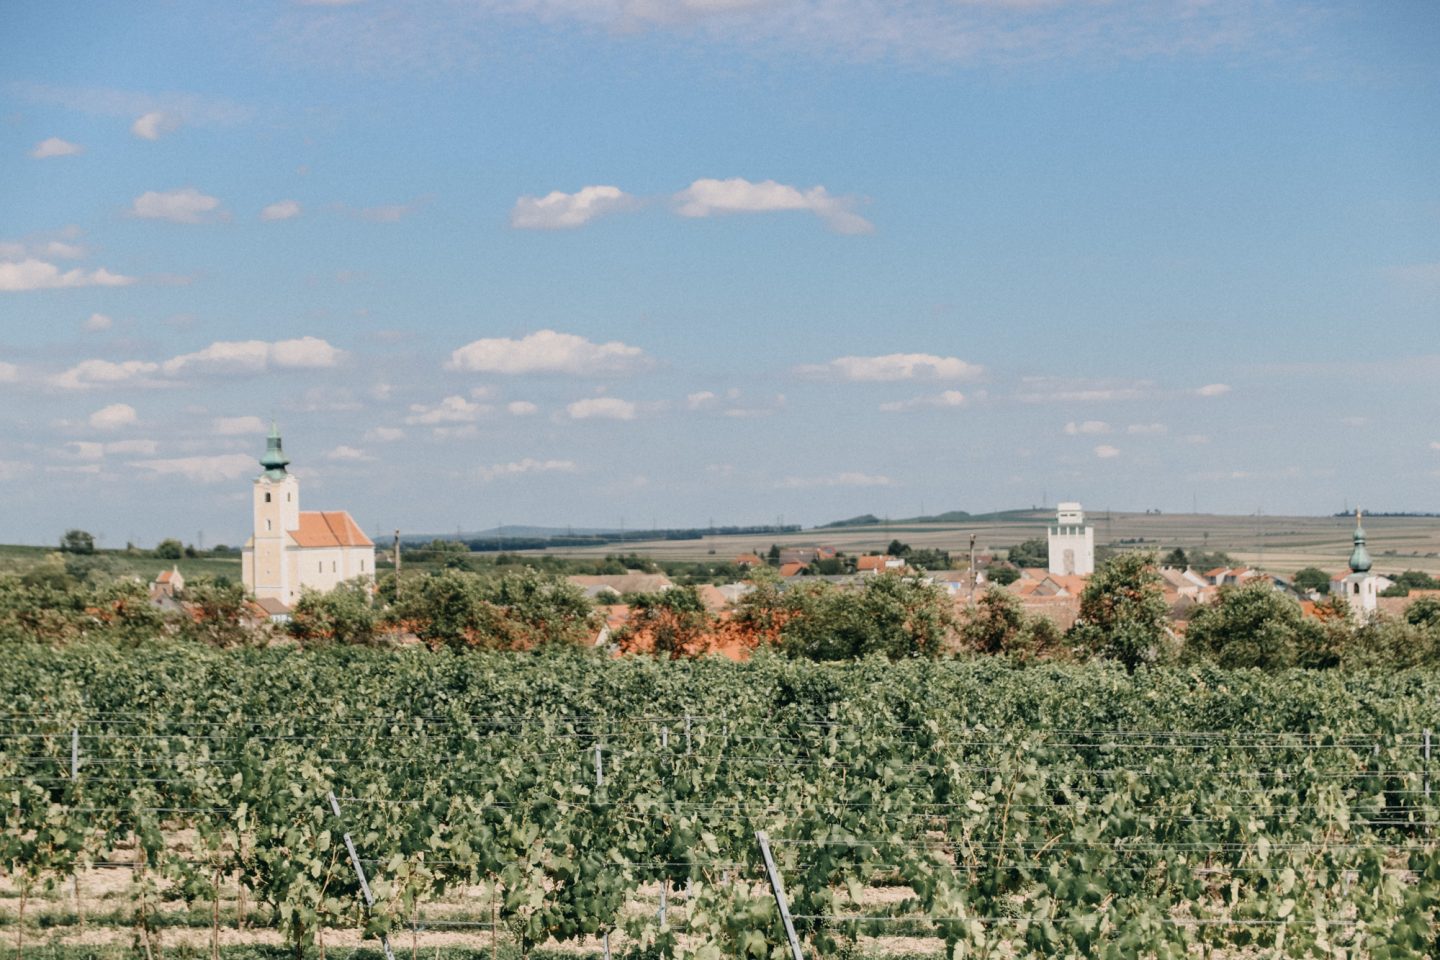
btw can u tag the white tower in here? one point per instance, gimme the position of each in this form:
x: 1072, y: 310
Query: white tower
x: 1362, y: 587
x: 1072, y: 544
x: 276, y: 508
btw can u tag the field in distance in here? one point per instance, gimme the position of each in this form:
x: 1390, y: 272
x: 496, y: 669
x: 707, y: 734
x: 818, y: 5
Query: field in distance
x: 1278, y: 544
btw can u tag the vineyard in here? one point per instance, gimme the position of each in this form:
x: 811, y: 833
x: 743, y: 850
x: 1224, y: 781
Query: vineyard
x: 512, y: 802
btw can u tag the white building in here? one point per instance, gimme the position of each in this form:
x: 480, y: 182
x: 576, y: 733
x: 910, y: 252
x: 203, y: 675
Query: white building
x: 1072, y: 544
x: 1361, y: 589
x: 291, y: 549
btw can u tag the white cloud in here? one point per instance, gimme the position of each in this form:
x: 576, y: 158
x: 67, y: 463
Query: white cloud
x: 1147, y: 429
x: 107, y: 373
x: 601, y: 408
x: 184, y: 205
x: 84, y: 450
x: 1105, y: 451
x: 1213, y: 390
x: 213, y: 469
x: 9, y: 373
x: 134, y: 448
x: 1086, y: 428
x: 256, y: 356
x: 564, y: 211
x: 707, y: 197
x: 55, y: 147
x: 947, y: 398
x: 154, y: 125
x: 98, y: 322
x: 701, y: 400
x: 1064, y: 390
x: 527, y: 465
x: 547, y: 351
x: 1435, y: 444
x: 237, y: 426
x: 893, y: 366
x: 32, y: 274
x: 849, y: 479
x: 453, y: 409
x: 348, y: 454
x: 383, y: 435
x: 521, y: 408
x: 281, y: 210
x: 113, y: 417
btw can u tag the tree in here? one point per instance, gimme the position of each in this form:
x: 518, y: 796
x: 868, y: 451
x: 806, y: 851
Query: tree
x: 1123, y: 612
x: 672, y: 623
x: 216, y: 614
x: 521, y: 610
x: 1030, y: 553
x: 1176, y: 558
x: 1253, y: 625
x: 1424, y: 612
x: 993, y: 624
x: 77, y: 541
x: 893, y: 615
x: 897, y: 549
x: 1002, y: 573
x: 169, y: 549
x: 342, y: 615
x: 1312, y: 578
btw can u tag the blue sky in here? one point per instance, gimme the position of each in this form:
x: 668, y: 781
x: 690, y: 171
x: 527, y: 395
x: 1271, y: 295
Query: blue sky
x: 668, y: 261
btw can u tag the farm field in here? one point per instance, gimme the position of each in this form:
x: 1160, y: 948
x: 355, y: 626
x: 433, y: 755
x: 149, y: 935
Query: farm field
x: 178, y: 799
x: 1277, y: 544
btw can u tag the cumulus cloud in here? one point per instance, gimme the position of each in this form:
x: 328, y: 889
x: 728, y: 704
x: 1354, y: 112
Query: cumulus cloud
x: 256, y: 356
x: 1105, y: 451
x: 183, y: 205
x: 204, y: 469
x: 547, y: 351
x: 32, y: 274
x: 521, y: 408
x: 347, y: 454
x: 107, y: 373
x: 1065, y: 390
x: 134, y: 448
x: 848, y: 479
x: 947, y: 398
x: 453, y: 409
x: 113, y: 417
x: 893, y: 366
x: 98, y: 322
x: 1086, y: 428
x: 701, y: 400
x: 383, y: 435
x: 9, y: 373
x: 55, y: 147
x: 281, y: 210
x: 527, y: 465
x: 565, y: 211
x: 1213, y: 390
x: 708, y: 197
x: 154, y: 125
x: 237, y: 426
x: 601, y: 408
x: 1147, y: 429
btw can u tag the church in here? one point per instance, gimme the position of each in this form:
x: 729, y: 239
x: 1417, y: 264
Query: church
x: 292, y: 549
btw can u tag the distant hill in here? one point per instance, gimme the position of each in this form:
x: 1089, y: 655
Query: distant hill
x: 950, y: 516
x: 864, y: 520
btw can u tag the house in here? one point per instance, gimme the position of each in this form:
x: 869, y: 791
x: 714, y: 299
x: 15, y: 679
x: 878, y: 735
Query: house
x: 166, y: 589
x: 878, y: 564
x: 598, y: 587
x: 792, y: 568
x: 748, y: 560
x: 806, y: 555
x: 290, y: 549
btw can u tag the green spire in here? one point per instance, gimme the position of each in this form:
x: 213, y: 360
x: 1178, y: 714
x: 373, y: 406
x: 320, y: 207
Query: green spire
x: 274, y: 460
x: 1359, y: 557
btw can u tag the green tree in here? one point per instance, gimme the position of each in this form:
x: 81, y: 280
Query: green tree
x: 1253, y: 625
x: 1123, y: 612
x: 1424, y: 612
x: 216, y: 613
x: 1030, y: 553
x: 1002, y: 573
x: 897, y: 549
x: 1312, y: 578
x: 77, y: 541
x: 893, y: 615
x: 993, y: 623
x: 169, y: 549
x: 342, y: 615
x: 1176, y: 558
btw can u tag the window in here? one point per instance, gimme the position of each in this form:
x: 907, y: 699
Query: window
x: 320, y: 566
x: 267, y: 524
x: 334, y: 567
x: 267, y: 498
x: 287, y: 496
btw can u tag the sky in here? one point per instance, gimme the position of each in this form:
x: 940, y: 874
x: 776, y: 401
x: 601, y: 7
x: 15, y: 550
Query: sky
x: 679, y: 262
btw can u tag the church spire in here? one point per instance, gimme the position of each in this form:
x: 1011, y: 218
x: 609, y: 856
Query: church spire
x: 274, y: 460
x: 1359, y: 557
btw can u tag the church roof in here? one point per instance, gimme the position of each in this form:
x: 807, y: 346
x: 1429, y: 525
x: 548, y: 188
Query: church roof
x: 328, y: 528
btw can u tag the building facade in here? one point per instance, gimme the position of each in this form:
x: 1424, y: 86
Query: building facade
x: 292, y: 549
x: 1361, y: 589
x: 1071, y: 542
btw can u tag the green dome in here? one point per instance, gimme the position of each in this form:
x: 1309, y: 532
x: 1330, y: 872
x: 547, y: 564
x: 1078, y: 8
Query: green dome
x: 1360, y: 557
x: 274, y: 460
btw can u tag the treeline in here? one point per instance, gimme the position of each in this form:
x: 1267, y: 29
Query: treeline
x: 501, y: 543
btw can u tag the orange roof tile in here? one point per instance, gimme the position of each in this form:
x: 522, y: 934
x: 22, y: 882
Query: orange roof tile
x: 329, y: 528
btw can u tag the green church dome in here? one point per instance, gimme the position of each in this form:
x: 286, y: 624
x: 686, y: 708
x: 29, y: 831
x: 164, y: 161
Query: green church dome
x: 1360, y: 557
x: 274, y: 460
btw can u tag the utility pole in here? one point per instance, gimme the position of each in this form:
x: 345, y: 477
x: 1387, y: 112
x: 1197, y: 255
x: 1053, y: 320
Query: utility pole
x: 974, y: 574
x: 397, y: 563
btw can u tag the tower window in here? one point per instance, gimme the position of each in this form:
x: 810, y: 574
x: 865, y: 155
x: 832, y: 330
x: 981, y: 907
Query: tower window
x: 267, y: 498
x: 267, y: 524
x: 287, y: 497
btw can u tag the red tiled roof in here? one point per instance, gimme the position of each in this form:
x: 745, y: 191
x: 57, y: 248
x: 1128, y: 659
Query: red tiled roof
x: 792, y: 568
x: 329, y: 528
x: 871, y: 563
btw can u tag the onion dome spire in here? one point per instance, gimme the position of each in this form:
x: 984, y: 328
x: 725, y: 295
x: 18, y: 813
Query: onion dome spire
x: 1359, y: 557
x: 274, y: 460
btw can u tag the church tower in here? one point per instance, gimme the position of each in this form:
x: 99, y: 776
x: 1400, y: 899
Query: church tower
x: 1362, y: 587
x: 1072, y: 544
x: 276, y: 510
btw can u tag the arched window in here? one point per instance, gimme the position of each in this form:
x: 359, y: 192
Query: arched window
x: 267, y: 498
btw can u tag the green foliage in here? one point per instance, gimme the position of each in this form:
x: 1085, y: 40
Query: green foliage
x: 1312, y: 578
x: 169, y: 549
x: 1253, y: 625
x: 897, y: 549
x: 521, y: 610
x: 1002, y: 573
x: 1176, y: 558
x: 1424, y: 612
x: 1123, y: 612
x: 77, y: 541
x: 998, y: 624
x: 216, y: 614
x: 895, y: 616
x: 345, y: 614
x: 1030, y: 553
